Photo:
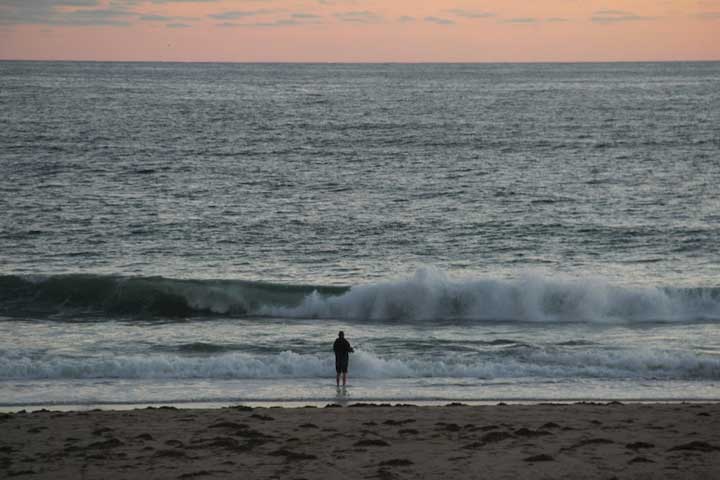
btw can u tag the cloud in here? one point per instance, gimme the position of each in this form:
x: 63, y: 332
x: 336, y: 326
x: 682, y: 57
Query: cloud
x: 60, y: 12
x: 359, y: 17
x: 611, y: 12
x: 406, y: 19
x: 305, y: 16
x: 556, y: 20
x: 178, y: 25
x: 107, y: 17
x: 294, y: 19
x: 460, y: 12
x: 617, y: 16
x: 45, y: 4
x: 83, y: 12
x: 156, y: 18
x: 235, y: 14
x: 439, y: 21
x: 520, y: 20
x: 164, y: 18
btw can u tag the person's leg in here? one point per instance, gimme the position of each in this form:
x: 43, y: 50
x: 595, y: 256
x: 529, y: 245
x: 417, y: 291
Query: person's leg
x: 344, y: 378
x: 337, y: 379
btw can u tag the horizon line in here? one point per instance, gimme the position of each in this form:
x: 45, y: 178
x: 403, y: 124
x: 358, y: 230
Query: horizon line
x: 374, y: 62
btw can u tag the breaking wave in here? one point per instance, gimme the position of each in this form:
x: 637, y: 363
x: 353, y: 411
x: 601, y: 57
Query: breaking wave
x: 428, y: 295
x: 625, y: 364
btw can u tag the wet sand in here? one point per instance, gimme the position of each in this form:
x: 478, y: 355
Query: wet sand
x: 595, y: 441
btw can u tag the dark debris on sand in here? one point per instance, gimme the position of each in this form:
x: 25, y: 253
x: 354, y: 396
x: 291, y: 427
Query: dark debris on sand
x: 201, y: 473
x: 640, y: 460
x: 540, y: 458
x: 264, y: 418
x: 396, y: 462
x: 696, y: 447
x: 227, y: 425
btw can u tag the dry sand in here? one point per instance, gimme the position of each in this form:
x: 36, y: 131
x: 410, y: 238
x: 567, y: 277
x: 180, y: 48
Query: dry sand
x: 650, y: 441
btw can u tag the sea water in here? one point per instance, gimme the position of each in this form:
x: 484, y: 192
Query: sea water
x: 179, y: 233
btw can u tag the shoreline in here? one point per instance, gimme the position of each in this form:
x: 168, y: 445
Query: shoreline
x: 216, y: 405
x: 555, y: 440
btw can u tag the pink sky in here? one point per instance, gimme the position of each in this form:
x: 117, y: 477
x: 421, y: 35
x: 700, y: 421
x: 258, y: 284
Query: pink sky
x: 360, y: 30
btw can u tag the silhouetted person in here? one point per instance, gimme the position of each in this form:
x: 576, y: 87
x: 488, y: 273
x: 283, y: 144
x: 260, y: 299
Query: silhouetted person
x: 342, y: 350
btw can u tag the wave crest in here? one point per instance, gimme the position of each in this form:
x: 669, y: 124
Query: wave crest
x: 429, y: 295
x: 432, y: 295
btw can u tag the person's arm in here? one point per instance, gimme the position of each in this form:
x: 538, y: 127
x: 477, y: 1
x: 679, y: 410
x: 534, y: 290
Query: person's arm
x: 349, y: 348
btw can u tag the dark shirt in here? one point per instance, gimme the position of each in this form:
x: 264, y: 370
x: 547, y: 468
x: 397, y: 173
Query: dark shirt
x: 342, y: 348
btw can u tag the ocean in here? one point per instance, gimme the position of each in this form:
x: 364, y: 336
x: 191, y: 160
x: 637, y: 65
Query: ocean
x: 179, y: 233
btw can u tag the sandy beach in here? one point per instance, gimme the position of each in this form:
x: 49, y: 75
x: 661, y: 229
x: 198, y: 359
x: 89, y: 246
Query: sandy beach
x: 602, y: 441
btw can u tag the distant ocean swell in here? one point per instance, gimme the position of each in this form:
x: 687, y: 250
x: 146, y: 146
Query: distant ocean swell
x: 428, y: 295
x: 628, y: 364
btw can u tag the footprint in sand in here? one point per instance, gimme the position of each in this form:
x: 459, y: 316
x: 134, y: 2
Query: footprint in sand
x: 398, y: 422
x: 264, y: 418
x: 638, y: 445
x: 292, y: 456
x: 228, y: 425
x: 526, y: 432
x: 109, y: 443
x: 549, y: 425
x: 170, y: 454
x: 591, y: 441
x: 371, y: 443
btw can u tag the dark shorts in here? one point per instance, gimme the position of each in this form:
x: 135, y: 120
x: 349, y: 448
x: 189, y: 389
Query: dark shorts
x: 341, y: 365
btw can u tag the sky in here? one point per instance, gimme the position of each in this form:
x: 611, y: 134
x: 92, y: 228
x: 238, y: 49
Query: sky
x: 360, y: 30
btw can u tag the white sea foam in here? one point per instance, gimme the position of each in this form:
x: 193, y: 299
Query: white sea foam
x: 430, y: 294
x: 620, y: 364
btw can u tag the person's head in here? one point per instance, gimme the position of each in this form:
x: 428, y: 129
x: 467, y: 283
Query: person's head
x: 341, y: 334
